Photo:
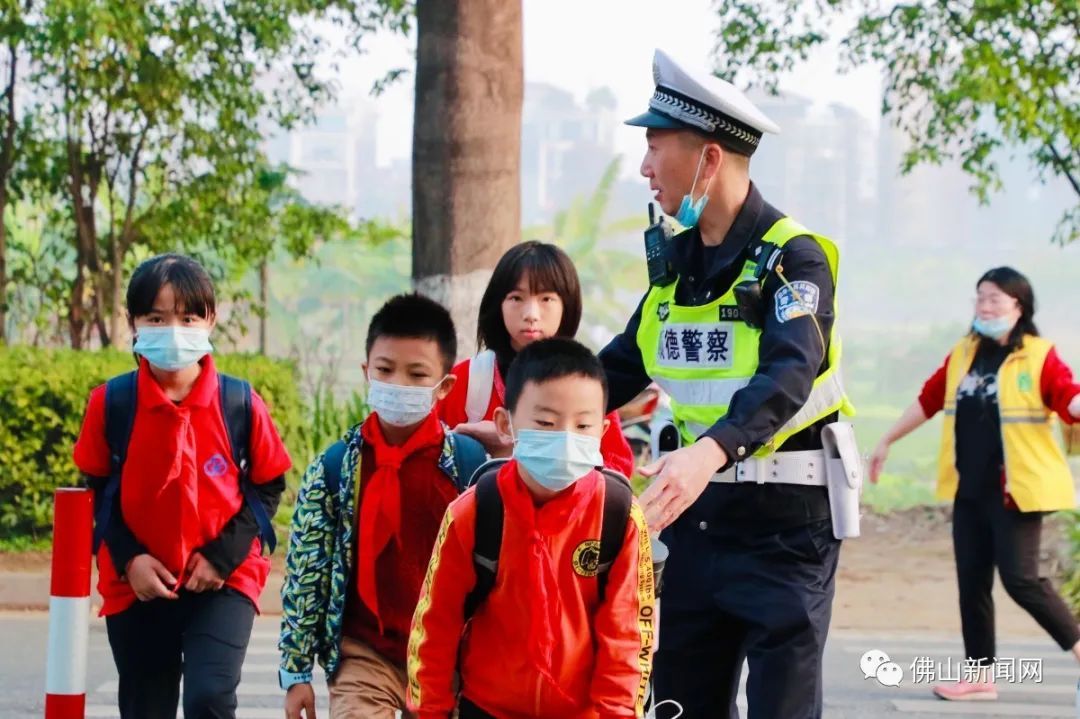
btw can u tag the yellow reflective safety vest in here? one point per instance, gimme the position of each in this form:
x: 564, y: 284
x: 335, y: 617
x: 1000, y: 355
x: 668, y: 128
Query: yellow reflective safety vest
x: 701, y: 356
x: 1036, y: 472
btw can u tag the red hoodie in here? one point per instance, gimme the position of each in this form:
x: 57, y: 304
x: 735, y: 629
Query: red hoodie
x: 179, y: 486
x: 542, y: 644
x: 613, y: 445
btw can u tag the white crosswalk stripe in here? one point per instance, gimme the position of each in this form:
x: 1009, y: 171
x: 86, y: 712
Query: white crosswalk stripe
x: 260, y: 698
x: 258, y: 695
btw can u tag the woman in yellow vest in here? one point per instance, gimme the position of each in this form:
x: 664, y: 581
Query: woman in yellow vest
x: 1000, y: 387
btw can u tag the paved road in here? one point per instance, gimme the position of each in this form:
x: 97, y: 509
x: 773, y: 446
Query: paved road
x: 847, y: 694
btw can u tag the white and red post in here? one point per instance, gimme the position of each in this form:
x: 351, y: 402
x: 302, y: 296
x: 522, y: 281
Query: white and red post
x: 69, y: 604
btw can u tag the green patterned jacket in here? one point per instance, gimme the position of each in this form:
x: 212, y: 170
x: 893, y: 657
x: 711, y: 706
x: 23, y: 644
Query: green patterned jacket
x: 320, y: 557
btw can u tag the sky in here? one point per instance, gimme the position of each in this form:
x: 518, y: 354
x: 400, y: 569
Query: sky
x: 579, y: 45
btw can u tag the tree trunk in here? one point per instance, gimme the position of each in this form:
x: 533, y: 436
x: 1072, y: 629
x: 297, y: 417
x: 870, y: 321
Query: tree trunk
x: 3, y: 268
x: 117, y: 325
x: 466, y: 185
x: 264, y: 304
x: 76, y: 309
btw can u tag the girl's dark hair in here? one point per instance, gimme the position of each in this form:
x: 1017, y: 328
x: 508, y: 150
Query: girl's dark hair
x: 191, y: 285
x: 549, y: 269
x: 1018, y: 287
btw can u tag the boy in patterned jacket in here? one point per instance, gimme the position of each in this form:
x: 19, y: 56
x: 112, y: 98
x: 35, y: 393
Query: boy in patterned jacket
x: 366, y: 518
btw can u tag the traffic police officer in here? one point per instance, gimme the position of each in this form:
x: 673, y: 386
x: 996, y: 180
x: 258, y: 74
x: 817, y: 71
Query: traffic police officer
x: 740, y: 335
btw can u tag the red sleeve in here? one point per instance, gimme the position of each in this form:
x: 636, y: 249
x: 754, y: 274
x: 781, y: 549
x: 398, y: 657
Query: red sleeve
x: 615, y: 449
x: 438, y: 622
x: 91, y: 448
x: 625, y: 627
x: 932, y: 397
x: 269, y: 458
x: 452, y: 409
x: 1058, y: 387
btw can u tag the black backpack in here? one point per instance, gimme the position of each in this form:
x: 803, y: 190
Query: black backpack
x: 489, y: 529
x: 120, y: 406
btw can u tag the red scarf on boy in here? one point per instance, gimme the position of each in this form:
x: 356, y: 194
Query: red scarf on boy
x: 380, y: 507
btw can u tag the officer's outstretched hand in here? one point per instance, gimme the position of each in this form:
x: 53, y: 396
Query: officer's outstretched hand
x: 680, y: 478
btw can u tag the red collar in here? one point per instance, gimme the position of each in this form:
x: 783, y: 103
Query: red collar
x: 560, y: 510
x: 204, y: 391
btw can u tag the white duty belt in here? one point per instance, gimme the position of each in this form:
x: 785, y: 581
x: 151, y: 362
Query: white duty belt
x: 807, y: 467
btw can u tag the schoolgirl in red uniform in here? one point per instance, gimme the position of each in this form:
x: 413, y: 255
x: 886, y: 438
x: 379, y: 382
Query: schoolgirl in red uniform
x: 181, y: 564
x: 534, y: 293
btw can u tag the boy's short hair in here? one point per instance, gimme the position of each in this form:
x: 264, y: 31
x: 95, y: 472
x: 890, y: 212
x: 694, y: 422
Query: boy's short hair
x: 413, y: 316
x: 550, y: 359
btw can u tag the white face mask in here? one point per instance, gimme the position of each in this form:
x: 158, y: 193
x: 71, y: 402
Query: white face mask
x: 400, y: 405
x: 172, y: 348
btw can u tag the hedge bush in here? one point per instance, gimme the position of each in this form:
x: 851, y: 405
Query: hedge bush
x: 42, y: 399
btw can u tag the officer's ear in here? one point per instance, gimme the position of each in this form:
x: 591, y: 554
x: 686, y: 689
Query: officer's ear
x: 715, y: 157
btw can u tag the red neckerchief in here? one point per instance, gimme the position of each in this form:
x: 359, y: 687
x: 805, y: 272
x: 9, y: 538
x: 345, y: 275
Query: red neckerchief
x: 160, y: 498
x: 539, y: 522
x: 380, y: 509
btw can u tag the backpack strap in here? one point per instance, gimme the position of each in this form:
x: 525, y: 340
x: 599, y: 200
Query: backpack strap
x: 617, y: 500
x: 469, y: 456
x: 120, y: 404
x: 332, y: 460
x: 481, y: 382
x: 236, y: 412
x: 488, y: 532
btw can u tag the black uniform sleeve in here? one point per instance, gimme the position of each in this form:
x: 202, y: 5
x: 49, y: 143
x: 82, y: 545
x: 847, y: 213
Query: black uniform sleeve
x: 790, y: 356
x: 230, y: 548
x: 121, y: 541
x: 623, y: 365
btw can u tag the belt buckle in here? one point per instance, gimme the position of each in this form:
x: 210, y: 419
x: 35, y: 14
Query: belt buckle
x: 749, y: 470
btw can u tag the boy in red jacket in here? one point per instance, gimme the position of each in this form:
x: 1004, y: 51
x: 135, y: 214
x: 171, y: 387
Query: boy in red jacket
x: 556, y: 633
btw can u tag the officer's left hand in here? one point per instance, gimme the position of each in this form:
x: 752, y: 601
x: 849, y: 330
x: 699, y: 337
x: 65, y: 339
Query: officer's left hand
x: 202, y: 576
x: 681, y: 477
x: 1074, y: 407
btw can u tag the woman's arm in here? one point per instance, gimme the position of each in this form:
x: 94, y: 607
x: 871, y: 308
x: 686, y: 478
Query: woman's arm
x: 912, y: 418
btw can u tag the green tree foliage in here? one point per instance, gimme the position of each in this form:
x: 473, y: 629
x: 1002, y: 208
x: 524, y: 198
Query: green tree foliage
x: 147, y: 124
x: 610, y: 278
x: 963, y: 78
x: 43, y: 395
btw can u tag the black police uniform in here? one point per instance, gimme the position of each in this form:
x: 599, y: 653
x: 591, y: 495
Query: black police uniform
x: 752, y: 566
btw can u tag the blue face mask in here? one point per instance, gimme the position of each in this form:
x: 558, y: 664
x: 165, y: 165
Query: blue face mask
x: 994, y: 328
x: 689, y: 211
x: 172, y: 348
x: 555, y: 460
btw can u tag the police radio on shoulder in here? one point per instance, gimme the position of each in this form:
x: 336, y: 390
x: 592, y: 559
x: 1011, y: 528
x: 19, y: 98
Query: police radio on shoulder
x: 657, y: 237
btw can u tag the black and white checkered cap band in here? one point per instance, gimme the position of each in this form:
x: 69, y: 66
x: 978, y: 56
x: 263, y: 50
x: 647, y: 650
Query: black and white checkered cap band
x: 710, y: 121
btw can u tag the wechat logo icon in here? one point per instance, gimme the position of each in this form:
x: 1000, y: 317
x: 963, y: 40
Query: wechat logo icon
x: 875, y: 664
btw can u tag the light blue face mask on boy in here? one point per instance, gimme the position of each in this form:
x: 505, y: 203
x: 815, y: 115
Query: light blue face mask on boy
x: 172, y: 348
x: 689, y: 213
x: 555, y: 460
